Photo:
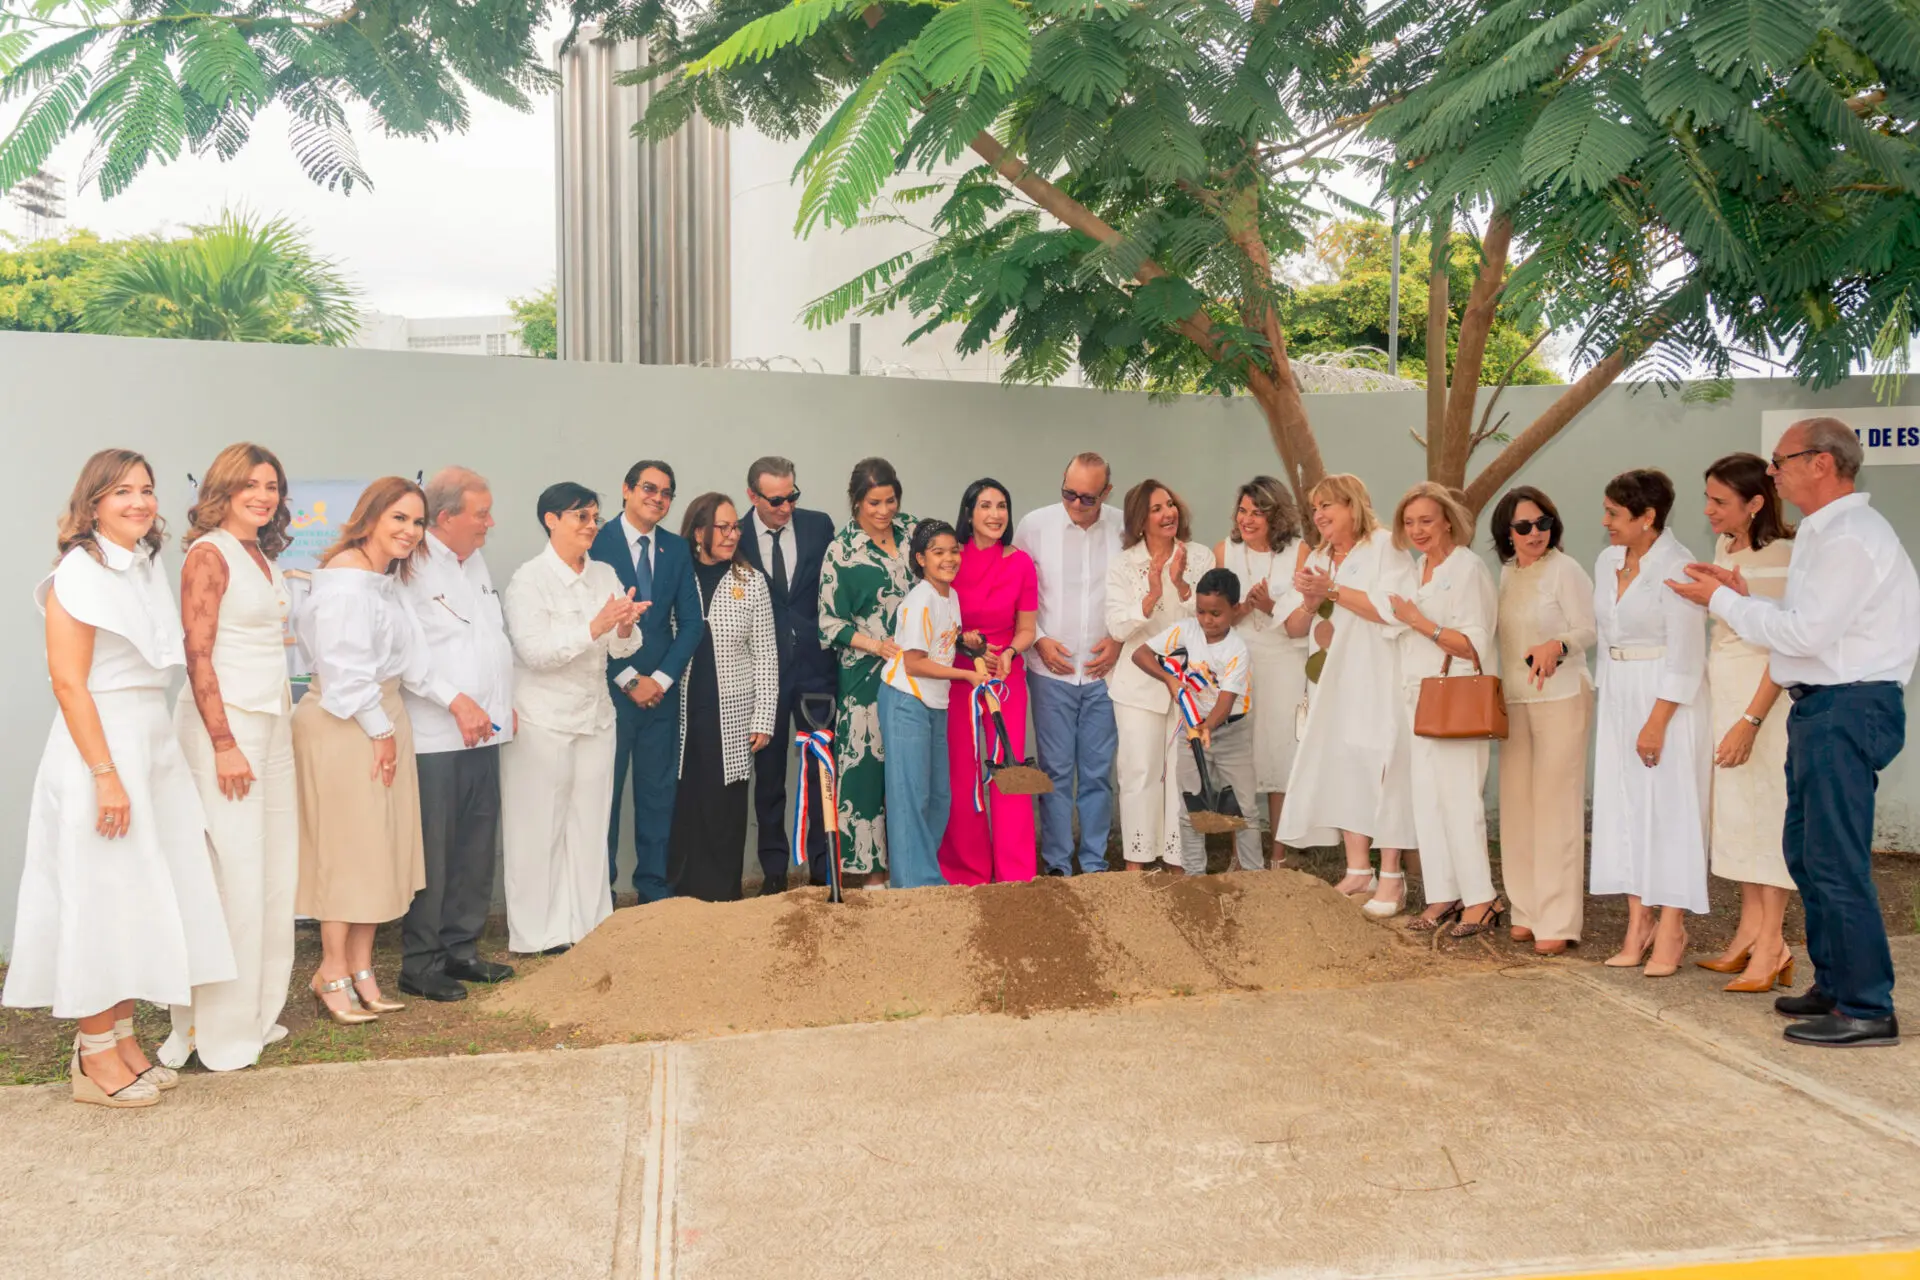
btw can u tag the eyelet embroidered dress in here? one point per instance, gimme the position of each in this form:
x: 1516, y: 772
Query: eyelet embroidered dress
x: 1279, y: 661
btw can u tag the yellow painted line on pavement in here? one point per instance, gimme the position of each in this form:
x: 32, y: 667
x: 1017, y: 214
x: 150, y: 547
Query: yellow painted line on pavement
x: 1862, y: 1266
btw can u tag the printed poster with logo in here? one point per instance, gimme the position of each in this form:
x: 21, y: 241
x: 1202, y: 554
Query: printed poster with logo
x: 320, y: 509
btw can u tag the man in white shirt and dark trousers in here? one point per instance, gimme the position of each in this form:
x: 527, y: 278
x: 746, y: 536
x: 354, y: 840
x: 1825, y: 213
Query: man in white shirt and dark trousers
x: 1843, y: 642
x: 457, y: 747
x: 1070, y: 543
x: 788, y: 545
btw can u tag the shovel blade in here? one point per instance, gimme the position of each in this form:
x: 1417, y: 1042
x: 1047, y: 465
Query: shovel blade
x: 1021, y: 780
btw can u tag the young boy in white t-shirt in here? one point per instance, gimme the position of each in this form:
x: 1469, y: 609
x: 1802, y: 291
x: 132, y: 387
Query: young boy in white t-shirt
x: 1208, y: 645
x: 913, y: 708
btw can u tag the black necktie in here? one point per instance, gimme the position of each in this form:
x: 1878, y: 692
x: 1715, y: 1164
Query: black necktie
x: 779, y: 566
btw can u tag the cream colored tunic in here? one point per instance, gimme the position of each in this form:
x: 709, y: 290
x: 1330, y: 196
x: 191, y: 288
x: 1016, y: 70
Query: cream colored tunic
x: 1750, y: 801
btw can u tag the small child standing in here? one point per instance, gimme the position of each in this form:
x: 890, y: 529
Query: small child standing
x: 913, y: 708
x: 1208, y: 646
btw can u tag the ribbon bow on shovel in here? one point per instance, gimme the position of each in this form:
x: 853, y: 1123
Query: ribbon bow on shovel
x: 814, y: 743
x: 1211, y: 812
x: 994, y: 749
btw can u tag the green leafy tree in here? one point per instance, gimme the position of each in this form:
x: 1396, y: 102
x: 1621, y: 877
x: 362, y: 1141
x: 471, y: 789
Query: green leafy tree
x: 538, y: 324
x: 237, y: 280
x: 45, y: 284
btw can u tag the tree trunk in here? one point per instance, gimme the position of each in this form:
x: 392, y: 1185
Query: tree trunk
x: 1447, y: 464
x: 1279, y: 398
x: 1437, y: 304
x: 1577, y: 396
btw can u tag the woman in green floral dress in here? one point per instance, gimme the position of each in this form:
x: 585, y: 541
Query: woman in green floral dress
x: 862, y: 582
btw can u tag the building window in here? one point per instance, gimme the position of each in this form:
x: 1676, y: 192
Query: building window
x: 445, y: 342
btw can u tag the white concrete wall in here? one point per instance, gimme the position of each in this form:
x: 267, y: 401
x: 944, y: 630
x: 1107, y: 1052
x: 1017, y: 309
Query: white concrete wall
x: 346, y: 414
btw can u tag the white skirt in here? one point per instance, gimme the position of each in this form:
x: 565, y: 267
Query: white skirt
x: 1649, y: 825
x: 1749, y: 802
x: 138, y: 918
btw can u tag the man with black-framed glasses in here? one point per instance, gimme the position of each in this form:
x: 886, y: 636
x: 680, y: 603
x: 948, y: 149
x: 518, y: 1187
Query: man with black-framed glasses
x: 788, y: 545
x: 1071, y: 542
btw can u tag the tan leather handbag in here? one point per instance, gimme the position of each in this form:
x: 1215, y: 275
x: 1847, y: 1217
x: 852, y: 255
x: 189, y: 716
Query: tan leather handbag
x: 1452, y: 706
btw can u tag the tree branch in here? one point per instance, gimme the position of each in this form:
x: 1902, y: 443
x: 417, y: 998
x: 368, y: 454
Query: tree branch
x: 1438, y: 255
x: 1482, y: 433
x: 1581, y: 393
x: 1476, y: 325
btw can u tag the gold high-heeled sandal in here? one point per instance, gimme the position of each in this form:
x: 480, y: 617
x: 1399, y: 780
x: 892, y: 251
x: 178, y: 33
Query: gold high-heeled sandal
x: 138, y: 1092
x: 378, y: 1006
x: 347, y: 1017
x: 162, y: 1077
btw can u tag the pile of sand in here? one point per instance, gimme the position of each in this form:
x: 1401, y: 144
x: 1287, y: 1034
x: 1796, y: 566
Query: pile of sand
x: 682, y: 968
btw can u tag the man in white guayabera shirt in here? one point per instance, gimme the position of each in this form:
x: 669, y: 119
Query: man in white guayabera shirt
x: 1071, y: 542
x: 457, y: 748
x: 1843, y: 639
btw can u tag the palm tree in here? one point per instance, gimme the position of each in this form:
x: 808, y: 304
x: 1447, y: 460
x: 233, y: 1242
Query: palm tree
x: 238, y: 280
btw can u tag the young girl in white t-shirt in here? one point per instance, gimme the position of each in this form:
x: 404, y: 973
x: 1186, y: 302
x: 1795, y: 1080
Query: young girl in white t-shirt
x: 913, y: 708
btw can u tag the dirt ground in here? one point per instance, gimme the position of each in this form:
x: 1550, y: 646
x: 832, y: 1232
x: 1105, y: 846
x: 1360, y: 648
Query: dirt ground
x: 795, y: 961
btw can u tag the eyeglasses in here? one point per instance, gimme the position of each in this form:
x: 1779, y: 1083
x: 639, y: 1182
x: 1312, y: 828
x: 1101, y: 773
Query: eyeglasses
x: 1777, y: 462
x: 1079, y: 499
x: 653, y: 490
x: 783, y: 500
x: 1524, y: 527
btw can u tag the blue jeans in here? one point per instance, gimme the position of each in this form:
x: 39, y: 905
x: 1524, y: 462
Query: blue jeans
x: 914, y: 736
x: 1839, y: 738
x: 1074, y: 734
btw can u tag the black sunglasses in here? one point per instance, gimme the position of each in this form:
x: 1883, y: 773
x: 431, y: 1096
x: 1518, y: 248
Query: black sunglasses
x: 1079, y: 499
x: 777, y: 503
x: 1524, y: 527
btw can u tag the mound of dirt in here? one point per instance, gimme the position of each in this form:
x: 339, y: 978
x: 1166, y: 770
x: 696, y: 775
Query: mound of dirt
x: 686, y: 968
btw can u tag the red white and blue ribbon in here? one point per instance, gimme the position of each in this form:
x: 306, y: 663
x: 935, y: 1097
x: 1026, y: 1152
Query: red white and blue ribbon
x: 989, y: 748
x: 1192, y: 682
x: 817, y: 745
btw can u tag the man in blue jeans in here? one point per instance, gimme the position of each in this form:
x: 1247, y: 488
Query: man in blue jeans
x: 1843, y: 640
x: 1070, y: 543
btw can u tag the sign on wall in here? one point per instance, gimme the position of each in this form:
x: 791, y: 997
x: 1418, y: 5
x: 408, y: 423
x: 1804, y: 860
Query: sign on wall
x: 1890, y: 435
x: 321, y: 508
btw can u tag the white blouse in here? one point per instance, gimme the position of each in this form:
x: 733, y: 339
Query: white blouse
x: 1127, y: 684
x: 560, y: 668
x: 360, y: 635
x: 1460, y: 596
x: 1650, y: 623
x: 1266, y: 632
x: 137, y: 640
x: 1550, y: 599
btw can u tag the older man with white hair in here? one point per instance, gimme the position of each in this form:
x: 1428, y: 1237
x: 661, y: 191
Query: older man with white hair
x: 457, y: 747
x: 1843, y: 641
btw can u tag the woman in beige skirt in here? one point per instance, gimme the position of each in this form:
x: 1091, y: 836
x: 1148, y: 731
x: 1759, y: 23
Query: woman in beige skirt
x: 1750, y: 752
x: 361, y: 858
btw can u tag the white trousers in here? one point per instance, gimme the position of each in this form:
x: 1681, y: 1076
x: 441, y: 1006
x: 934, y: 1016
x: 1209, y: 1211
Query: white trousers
x: 256, y: 862
x: 1149, y: 793
x: 1450, y: 816
x: 555, y: 792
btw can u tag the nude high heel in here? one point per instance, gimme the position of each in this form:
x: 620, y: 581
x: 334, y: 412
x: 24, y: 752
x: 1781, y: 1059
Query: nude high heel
x: 1660, y: 969
x: 138, y: 1092
x: 162, y: 1077
x: 377, y: 1006
x: 1629, y: 960
x: 347, y: 1017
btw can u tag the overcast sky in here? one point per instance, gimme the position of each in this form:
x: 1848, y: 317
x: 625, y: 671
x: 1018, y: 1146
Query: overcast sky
x: 451, y: 227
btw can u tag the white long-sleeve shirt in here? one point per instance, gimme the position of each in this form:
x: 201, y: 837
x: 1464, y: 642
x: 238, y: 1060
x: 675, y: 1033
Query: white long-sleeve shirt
x: 361, y: 634
x: 1649, y: 619
x: 1851, y: 612
x: 459, y: 613
x: 560, y: 667
x: 1071, y: 564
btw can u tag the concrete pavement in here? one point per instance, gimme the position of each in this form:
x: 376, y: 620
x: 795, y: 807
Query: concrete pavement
x: 1549, y: 1118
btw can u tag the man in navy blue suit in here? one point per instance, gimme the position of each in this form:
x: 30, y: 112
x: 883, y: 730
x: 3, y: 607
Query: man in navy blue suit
x: 646, y: 689
x: 788, y: 545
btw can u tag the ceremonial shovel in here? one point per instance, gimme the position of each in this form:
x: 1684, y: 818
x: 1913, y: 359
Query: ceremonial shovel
x: 1012, y: 779
x: 817, y: 710
x: 1211, y: 812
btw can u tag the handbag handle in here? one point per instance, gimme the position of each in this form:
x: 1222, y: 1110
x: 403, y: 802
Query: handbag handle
x: 1446, y: 666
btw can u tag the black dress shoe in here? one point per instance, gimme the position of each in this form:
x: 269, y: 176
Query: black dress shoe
x: 768, y: 888
x: 1055, y: 871
x: 477, y: 970
x: 1838, y: 1031
x: 1815, y: 1004
x: 435, y: 986
x: 560, y: 950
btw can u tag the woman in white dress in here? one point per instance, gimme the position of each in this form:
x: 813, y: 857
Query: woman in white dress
x: 236, y: 726
x: 1450, y: 620
x: 1651, y: 762
x: 1546, y: 631
x: 362, y: 857
x: 117, y: 896
x: 1351, y: 779
x: 1750, y: 780
x: 1261, y: 553
x: 567, y: 615
x: 1149, y: 588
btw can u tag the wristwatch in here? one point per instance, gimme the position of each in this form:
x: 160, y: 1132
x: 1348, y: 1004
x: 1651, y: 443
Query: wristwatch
x: 626, y: 686
x: 1755, y: 721
x: 1333, y: 593
x: 1437, y: 632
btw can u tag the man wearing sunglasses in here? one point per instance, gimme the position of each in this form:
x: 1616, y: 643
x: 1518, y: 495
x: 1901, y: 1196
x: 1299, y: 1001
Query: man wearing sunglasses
x: 658, y: 565
x: 1843, y: 639
x: 788, y: 545
x: 1071, y: 542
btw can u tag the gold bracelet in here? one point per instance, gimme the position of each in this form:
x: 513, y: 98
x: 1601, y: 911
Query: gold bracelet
x: 103, y: 768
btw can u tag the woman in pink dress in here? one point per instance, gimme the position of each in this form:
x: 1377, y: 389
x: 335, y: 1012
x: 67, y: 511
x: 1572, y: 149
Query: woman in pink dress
x: 990, y: 837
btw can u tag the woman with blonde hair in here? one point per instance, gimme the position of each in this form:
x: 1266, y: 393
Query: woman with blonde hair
x: 361, y: 853
x: 1149, y: 588
x: 1351, y: 776
x: 1450, y: 619
x: 1260, y: 552
x: 117, y: 896
x: 236, y: 727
